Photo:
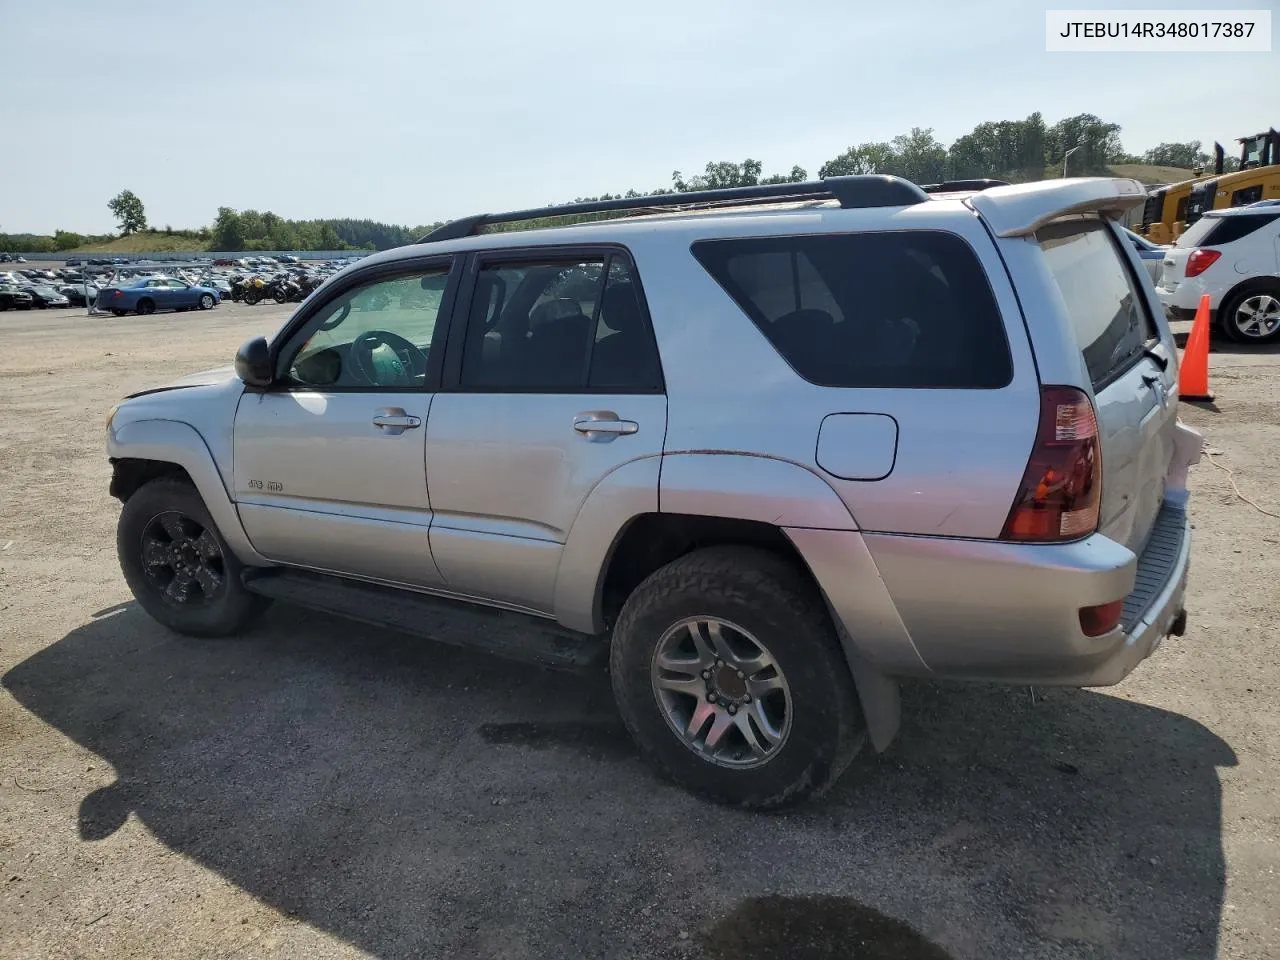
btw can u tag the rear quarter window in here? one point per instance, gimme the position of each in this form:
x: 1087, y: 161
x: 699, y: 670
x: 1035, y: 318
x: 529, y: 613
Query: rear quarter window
x: 887, y: 309
x: 1106, y: 309
x: 1215, y: 231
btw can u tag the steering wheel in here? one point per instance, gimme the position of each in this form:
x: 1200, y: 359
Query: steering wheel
x: 397, y: 371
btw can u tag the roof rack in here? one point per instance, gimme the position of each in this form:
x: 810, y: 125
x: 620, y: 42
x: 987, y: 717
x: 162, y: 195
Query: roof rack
x: 956, y: 185
x: 873, y: 190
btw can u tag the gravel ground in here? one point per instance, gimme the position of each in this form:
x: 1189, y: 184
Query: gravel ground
x: 323, y: 789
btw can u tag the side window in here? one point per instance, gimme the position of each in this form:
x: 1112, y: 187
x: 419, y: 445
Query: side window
x: 1107, y: 311
x: 558, y: 326
x: 374, y: 336
x: 900, y: 309
x: 529, y: 326
x: 625, y: 356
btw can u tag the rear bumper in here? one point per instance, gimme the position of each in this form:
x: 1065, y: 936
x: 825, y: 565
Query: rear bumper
x: 983, y: 610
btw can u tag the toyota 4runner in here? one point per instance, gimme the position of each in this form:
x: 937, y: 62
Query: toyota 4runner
x: 768, y: 450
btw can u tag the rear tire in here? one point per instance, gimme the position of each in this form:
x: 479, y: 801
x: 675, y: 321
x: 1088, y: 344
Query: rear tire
x: 145, y: 307
x: 177, y: 565
x: 1263, y: 298
x: 764, y: 610
x: 119, y: 313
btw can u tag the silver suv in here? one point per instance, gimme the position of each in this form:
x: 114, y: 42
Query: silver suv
x: 768, y: 450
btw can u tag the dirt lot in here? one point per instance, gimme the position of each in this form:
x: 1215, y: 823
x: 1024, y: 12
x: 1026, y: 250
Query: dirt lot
x: 323, y: 789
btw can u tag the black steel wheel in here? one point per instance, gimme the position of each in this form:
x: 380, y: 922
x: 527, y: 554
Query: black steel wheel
x: 182, y: 560
x: 145, y: 307
x: 177, y: 565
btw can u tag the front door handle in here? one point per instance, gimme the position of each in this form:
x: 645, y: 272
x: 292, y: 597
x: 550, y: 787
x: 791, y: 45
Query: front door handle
x: 603, y: 426
x: 394, y: 421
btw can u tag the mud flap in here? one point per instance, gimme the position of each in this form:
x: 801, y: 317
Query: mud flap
x: 878, y: 694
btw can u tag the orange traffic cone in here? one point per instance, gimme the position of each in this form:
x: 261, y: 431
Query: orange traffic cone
x: 1193, y: 375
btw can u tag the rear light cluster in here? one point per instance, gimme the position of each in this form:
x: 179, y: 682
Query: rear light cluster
x: 1201, y: 260
x: 1061, y: 489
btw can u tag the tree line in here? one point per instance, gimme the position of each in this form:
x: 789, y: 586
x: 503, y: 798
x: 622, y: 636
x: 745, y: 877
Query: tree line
x: 1015, y: 150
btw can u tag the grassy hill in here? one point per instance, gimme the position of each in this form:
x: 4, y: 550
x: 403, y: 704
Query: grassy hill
x: 1142, y: 172
x: 1146, y: 173
x: 147, y: 241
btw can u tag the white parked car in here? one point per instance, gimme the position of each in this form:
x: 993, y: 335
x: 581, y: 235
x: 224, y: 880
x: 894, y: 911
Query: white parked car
x: 1234, y: 257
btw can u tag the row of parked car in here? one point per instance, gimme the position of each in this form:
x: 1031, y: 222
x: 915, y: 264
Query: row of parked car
x: 36, y: 288
x: 143, y: 287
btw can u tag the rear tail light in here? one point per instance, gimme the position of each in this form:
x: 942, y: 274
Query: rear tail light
x: 1062, y: 486
x: 117, y: 293
x: 1201, y: 260
x: 1095, y: 621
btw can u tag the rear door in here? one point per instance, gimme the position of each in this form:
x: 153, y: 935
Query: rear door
x: 552, y: 384
x: 1132, y: 374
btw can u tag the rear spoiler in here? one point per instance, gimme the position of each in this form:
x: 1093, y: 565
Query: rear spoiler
x: 1024, y: 208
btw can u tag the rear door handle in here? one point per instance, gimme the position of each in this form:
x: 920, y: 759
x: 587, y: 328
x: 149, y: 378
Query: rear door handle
x: 603, y: 426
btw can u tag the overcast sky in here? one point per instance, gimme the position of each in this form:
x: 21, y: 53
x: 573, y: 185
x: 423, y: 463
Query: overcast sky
x: 409, y: 111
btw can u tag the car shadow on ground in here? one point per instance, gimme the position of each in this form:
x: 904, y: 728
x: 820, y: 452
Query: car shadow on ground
x: 421, y: 800
x: 1219, y: 342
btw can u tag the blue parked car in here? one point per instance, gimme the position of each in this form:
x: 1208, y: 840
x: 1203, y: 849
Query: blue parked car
x: 149, y: 294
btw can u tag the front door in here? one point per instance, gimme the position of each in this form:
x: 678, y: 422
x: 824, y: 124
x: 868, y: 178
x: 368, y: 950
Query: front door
x: 552, y: 384
x: 329, y: 462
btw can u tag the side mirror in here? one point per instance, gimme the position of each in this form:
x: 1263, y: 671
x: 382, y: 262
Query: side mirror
x: 253, y: 362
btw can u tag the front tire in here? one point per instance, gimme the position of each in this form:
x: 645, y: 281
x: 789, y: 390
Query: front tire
x: 177, y: 565
x: 729, y: 675
x: 206, y: 301
x: 1253, y: 314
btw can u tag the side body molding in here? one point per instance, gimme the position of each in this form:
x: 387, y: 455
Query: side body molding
x: 171, y: 441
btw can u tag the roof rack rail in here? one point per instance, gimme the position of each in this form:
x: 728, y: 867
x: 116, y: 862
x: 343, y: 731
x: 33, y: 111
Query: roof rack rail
x: 871, y: 190
x: 948, y: 185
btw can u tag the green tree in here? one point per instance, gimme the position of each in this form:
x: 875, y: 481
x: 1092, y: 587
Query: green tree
x: 1185, y: 155
x: 228, y: 232
x: 1099, y: 143
x: 127, y: 208
x: 862, y: 159
x: 919, y: 156
x: 719, y: 175
x: 797, y: 175
x: 66, y: 240
x: 329, y: 239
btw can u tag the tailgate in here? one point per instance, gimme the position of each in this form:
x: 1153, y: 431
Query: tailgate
x: 1131, y: 377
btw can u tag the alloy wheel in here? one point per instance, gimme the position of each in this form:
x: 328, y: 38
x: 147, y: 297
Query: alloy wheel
x: 722, y: 692
x: 1258, y: 316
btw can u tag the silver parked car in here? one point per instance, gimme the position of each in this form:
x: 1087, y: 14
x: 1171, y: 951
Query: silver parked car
x: 769, y: 452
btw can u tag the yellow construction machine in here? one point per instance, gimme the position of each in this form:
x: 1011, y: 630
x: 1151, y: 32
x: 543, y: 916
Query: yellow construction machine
x: 1171, y: 209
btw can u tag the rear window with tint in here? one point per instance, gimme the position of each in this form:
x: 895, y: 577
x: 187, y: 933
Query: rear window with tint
x: 901, y: 309
x: 1106, y: 307
x: 1215, y: 231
